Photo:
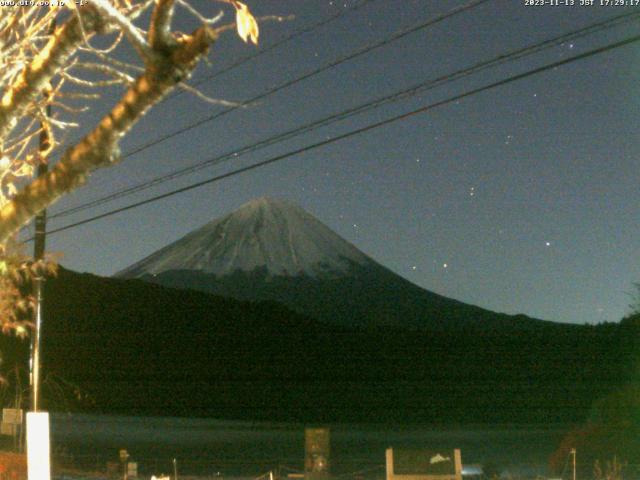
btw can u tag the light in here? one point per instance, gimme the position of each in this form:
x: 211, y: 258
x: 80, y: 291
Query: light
x: 38, y: 452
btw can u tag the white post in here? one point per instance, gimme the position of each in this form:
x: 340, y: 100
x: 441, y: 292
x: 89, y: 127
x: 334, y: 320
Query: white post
x: 38, y: 449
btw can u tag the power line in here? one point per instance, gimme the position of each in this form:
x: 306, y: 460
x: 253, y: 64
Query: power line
x: 273, y: 46
x: 402, y: 94
x: 358, y: 131
x: 289, y: 83
x: 284, y: 40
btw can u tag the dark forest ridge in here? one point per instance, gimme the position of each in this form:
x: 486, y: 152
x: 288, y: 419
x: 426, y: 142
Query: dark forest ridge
x: 141, y: 348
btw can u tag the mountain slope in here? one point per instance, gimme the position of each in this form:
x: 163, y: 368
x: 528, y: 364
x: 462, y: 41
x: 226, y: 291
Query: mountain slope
x: 271, y: 250
x: 140, y: 348
x: 264, y: 233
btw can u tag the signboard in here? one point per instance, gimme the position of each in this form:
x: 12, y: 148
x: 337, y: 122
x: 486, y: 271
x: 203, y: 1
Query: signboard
x: 132, y: 469
x: 424, y: 464
x: 12, y: 416
x: 317, y: 451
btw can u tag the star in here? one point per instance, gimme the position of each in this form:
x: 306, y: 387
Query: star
x: 548, y: 244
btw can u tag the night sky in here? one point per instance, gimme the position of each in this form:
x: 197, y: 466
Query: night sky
x: 521, y: 199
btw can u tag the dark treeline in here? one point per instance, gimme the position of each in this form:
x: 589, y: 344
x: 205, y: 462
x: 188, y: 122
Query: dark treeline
x: 138, y: 348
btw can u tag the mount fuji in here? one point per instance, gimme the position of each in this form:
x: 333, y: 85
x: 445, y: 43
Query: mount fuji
x: 270, y: 249
x: 361, y: 344
x: 265, y: 233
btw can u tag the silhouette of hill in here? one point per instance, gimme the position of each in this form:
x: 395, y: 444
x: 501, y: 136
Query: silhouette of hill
x: 140, y: 348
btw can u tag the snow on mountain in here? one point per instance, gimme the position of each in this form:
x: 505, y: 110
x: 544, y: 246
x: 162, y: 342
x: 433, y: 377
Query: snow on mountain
x: 263, y: 233
x: 271, y: 250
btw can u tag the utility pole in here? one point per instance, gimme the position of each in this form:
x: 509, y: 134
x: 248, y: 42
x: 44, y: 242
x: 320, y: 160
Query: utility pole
x: 38, y: 434
x: 573, y: 455
x: 38, y: 253
x: 38, y: 281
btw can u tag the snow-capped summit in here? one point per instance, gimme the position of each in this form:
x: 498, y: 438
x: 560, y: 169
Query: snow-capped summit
x: 265, y: 233
x: 271, y: 250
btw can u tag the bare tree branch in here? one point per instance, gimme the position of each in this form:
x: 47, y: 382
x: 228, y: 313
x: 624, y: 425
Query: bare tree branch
x: 34, y: 78
x: 113, y: 16
x: 99, y: 148
x: 160, y: 31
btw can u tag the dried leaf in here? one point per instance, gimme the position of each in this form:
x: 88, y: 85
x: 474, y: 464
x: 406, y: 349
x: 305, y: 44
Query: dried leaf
x: 246, y: 23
